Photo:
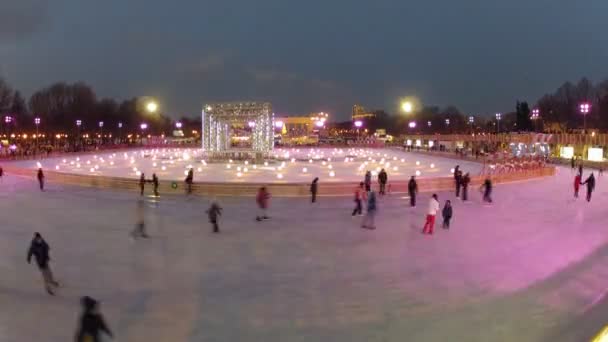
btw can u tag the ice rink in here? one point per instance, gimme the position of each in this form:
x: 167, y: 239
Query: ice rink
x: 290, y: 165
x: 531, y: 267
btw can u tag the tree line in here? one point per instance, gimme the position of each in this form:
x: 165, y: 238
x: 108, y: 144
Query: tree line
x: 60, y: 105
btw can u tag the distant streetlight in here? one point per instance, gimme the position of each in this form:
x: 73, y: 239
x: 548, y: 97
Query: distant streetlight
x: 8, y: 119
x: 412, y: 124
x: 447, y: 122
x: 37, y: 122
x: 471, y: 121
x: 152, y: 107
x: 407, y: 107
x: 584, y: 108
x: 428, y: 123
x: 178, y: 125
x: 498, y: 118
x: 251, y: 124
x: 78, y: 123
x: 535, y: 116
x: 358, y: 123
x: 120, y: 132
x: 143, y: 127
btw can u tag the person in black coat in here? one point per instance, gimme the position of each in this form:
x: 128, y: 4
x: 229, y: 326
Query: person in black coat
x: 91, y: 322
x: 447, y: 214
x: 40, y: 177
x: 142, y: 184
x: 314, y: 187
x: 465, y: 186
x: 155, y: 184
x: 189, y: 181
x: 457, y: 179
x: 40, y: 250
x: 580, y: 169
x: 214, y: 212
x: 590, y: 186
x: 412, y: 189
x: 382, y: 179
x: 487, y: 193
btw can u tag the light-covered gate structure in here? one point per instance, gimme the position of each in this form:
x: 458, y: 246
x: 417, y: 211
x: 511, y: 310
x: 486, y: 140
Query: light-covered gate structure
x: 217, y: 118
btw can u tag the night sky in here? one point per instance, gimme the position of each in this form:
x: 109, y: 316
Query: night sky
x: 303, y: 56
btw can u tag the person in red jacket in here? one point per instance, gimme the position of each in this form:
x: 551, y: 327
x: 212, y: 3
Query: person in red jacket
x: 262, y: 201
x: 360, y: 195
x: 577, y: 184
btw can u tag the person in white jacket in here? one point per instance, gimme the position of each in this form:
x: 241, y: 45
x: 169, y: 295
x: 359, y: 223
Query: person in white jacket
x: 430, y: 217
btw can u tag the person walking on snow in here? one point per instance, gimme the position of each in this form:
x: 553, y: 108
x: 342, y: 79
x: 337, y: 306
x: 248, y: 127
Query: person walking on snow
x: 465, y: 186
x: 590, y: 186
x: 262, y: 199
x: 91, y: 322
x: 429, y: 225
x: 214, y: 212
x: 360, y: 195
x: 447, y: 214
x: 368, y: 181
x: 142, y: 184
x: 40, y: 177
x: 577, y: 184
x: 369, y: 221
x: 382, y: 179
x: 412, y: 189
x: 487, y: 190
x: 314, y: 187
x: 40, y: 250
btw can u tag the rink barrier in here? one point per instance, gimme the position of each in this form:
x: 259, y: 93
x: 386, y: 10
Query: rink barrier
x: 276, y: 189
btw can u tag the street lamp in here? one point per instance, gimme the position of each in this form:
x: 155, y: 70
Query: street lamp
x: 37, y: 122
x: 101, y: 130
x: 152, y: 107
x: 407, y: 107
x: 358, y: 124
x: 498, y: 118
x: 120, y: 132
x: 535, y: 116
x: 412, y: 124
x: 78, y: 124
x: 178, y: 125
x: 584, y: 108
x: 471, y: 121
x: 143, y: 127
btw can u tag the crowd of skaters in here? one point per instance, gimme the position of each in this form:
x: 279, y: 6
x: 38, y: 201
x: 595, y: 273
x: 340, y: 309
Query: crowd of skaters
x: 91, y: 323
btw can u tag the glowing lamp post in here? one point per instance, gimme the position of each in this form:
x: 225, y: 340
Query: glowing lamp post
x: 412, y: 124
x: 101, y: 130
x: 37, y: 122
x: 358, y: 124
x: 143, y: 127
x: 120, y: 132
x: 407, y: 107
x: 584, y: 108
x: 152, y: 107
x: 535, y: 116
x: 471, y: 121
x: 251, y: 124
x: 498, y: 118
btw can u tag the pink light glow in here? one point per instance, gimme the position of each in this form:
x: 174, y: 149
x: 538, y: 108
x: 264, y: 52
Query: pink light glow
x: 319, y: 123
x: 358, y: 124
x: 251, y: 124
x: 278, y: 124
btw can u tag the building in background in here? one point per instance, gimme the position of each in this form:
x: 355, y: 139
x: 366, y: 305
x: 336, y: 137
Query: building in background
x: 360, y: 113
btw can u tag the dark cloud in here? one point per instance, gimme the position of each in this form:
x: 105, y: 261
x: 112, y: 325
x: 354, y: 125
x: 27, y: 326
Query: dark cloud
x: 21, y: 19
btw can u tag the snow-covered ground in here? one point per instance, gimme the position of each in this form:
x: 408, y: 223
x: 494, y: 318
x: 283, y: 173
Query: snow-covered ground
x: 531, y: 267
x: 294, y: 165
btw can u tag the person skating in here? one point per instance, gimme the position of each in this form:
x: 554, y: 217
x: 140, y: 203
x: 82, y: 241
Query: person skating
x: 429, y: 225
x: 314, y: 187
x: 465, y: 186
x: 262, y: 199
x: 40, y: 177
x: 412, y: 189
x: 155, y: 184
x: 360, y: 195
x: 369, y: 221
x: 457, y: 179
x: 590, y: 186
x: 447, y: 214
x: 142, y: 184
x: 214, y: 212
x: 140, y: 224
x: 91, y: 322
x: 487, y: 190
x: 368, y: 181
x: 382, y: 179
x: 572, y: 163
x: 40, y: 250
x: 580, y: 169
x: 577, y: 184
x: 189, y: 180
